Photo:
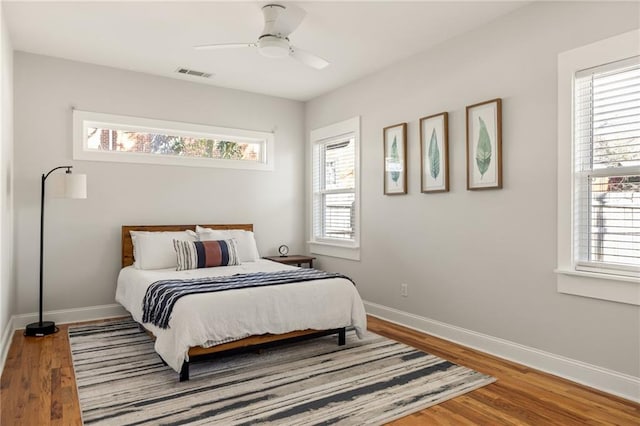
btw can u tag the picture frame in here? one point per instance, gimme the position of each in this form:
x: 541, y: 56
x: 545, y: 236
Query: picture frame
x: 484, y: 145
x: 434, y: 153
x: 395, y: 159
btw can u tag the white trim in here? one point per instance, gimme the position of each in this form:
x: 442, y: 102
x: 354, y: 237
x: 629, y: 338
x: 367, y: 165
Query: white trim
x: 613, y: 382
x: 599, y: 274
x: 335, y: 250
x: 346, y: 250
x: 599, y: 286
x: 335, y: 243
x: 65, y: 316
x: 588, y: 284
x: 5, y: 342
x: 619, y: 272
x: 84, y: 119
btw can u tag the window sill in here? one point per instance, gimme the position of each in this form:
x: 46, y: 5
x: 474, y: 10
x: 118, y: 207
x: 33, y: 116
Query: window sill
x: 619, y: 289
x: 350, y: 252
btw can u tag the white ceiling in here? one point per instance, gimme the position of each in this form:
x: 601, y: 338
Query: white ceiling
x: 357, y: 38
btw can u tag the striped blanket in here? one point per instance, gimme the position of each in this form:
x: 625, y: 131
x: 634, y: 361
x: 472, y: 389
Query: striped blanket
x: 161, y: 296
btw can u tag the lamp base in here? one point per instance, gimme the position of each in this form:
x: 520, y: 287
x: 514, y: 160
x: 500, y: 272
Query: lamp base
x: 38, y: 329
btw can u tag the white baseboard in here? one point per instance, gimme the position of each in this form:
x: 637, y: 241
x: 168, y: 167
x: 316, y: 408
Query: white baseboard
x: 5, y: 342
x: 613, y: 382
x: 65, y: 316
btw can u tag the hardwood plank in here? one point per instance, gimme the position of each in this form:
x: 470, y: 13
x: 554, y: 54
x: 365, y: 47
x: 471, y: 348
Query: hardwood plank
x: 436, y: 415
x: 40, y: 398
x: 70, y: 403
x: 525, y: 410
x: 56, y: 395
x: 480, y: 413
x: 37, y: 387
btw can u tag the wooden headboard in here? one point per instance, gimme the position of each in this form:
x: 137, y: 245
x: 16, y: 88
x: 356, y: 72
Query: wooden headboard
x: 127, y: 244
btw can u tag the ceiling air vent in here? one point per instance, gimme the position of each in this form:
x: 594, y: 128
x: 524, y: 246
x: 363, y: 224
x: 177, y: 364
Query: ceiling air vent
x: 193, y: 73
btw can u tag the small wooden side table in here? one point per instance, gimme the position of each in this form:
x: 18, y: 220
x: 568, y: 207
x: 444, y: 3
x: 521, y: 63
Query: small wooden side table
x: 294, y: 259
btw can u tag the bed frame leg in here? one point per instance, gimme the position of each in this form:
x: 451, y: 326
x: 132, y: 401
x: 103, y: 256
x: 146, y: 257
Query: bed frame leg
x: 184, y: 371
x: 342, y: 336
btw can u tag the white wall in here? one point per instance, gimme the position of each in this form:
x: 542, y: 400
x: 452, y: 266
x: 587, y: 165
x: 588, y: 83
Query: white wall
x: 7, y: 284
x: 82, y: 237
x: 483, y: 260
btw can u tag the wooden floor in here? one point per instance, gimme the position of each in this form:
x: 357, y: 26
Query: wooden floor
x: 38, y: 388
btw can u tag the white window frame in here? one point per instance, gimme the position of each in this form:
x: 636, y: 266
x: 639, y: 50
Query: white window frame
x: 82, y: 120
x: 599, y: 284
x: 333, y: 247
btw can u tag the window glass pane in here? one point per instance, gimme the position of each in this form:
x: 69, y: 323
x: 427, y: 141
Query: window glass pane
x: 334, y: 184
x: 103, y: 139
x: 339, y: 215
x: 615, y: 220
x: 339, y: 165
x: 614, y: 106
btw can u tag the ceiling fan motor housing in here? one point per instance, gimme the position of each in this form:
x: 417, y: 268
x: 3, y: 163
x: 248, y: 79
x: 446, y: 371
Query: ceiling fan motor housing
x: 273, y: 47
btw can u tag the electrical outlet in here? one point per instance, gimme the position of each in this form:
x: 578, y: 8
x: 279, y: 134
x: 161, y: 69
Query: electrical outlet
x: 404, y: 290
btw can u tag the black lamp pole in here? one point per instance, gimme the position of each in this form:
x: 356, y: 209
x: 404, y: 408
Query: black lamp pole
x: 43, y: 328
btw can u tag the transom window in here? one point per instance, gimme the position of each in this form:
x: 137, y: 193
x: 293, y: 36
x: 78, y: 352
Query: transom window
x: 106, y: 137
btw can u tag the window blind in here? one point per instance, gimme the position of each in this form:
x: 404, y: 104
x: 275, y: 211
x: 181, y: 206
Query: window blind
x: 607, y: 167
x: 334, y: 189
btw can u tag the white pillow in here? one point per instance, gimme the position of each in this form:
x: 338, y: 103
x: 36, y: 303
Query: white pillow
x: 154, y: 250
x: 247, y: 248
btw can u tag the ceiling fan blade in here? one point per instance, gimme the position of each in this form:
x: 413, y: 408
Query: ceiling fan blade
x: 308, y: 59
x: 224, y: 46
x: 282, y: 19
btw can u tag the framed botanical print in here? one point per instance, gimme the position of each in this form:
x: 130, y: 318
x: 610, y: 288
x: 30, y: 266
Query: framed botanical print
x: 434, y: 153
x: 395, y: 159
x: 484, y: 145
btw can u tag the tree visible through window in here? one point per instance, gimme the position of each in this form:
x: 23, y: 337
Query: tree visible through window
x: 102, y: 139
x: 127, y: 139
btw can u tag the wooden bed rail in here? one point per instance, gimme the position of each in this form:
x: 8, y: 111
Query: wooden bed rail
x: 256, y: 343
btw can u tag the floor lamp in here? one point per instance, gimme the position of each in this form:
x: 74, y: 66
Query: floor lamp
x: 74, y: 186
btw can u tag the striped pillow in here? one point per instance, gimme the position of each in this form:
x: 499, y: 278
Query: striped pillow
x: 205, y: 254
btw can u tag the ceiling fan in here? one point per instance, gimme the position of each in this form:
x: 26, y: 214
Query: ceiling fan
x: 280, y: 20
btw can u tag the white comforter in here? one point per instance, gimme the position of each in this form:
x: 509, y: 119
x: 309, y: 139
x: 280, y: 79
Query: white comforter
x: 214, y: 318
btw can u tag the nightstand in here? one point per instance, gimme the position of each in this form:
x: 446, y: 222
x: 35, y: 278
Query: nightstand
x: 294, y: 259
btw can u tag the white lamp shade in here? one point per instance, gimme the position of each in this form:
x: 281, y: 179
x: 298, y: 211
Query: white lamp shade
x: 69, y: 185
x: 75, y: 185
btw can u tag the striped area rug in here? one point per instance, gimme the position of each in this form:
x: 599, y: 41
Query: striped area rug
x: 122, y: 381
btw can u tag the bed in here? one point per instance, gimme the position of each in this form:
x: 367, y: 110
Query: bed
x: 209, y: 323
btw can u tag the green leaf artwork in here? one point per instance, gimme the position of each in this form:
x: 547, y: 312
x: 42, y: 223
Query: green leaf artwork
x: 483, y: 149
x: 434, y: 156
x: 395, y: 159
